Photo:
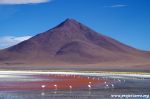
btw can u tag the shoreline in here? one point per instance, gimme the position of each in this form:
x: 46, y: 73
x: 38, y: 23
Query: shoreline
x: 75, y: 72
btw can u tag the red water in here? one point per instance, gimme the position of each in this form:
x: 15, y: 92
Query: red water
x: 61, y: 82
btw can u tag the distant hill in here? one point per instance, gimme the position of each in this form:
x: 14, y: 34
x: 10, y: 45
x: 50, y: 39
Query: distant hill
x: 73, y: 43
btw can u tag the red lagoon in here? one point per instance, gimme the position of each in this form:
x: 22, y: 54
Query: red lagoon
x: 53, y: 82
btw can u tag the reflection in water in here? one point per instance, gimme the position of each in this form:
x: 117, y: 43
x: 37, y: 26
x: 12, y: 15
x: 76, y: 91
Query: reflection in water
x: 42, y: 93
x: 89, y: 92
x: 76, y: 94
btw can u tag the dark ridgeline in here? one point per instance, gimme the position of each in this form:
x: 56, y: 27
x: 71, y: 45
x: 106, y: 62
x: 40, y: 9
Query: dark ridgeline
x: 71, y: 42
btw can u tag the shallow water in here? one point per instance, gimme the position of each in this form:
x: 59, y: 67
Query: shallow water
x: 57, y: 86
x: 76, y: 94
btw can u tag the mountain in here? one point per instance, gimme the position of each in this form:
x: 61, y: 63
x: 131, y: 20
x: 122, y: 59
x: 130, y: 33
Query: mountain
x: 73, y: 43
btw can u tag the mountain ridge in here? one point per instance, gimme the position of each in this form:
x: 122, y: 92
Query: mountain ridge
x: 71, y: 42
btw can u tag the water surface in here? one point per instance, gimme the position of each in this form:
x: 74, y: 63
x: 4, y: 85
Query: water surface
x: 69, y: 85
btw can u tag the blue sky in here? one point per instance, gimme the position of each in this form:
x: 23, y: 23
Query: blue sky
x: 125, y: 20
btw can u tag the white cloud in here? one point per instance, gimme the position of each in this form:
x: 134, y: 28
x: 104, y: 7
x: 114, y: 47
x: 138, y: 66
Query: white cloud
x: 8, y: 41
x: 117, y: 6
x: 22, y: 1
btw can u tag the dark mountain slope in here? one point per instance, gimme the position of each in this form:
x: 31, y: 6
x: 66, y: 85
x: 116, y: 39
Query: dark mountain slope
x: 71, y: 42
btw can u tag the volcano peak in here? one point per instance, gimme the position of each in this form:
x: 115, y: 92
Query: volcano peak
x: 70, y: 42
x: 71, y: 20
